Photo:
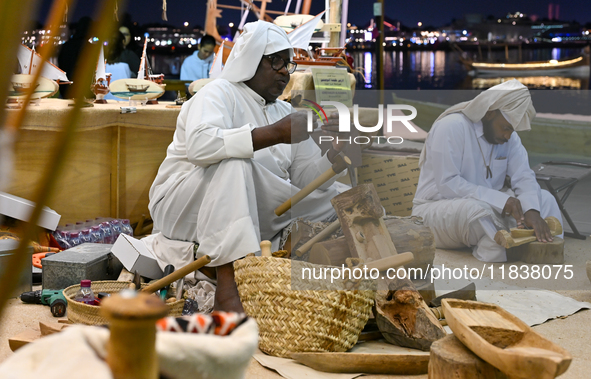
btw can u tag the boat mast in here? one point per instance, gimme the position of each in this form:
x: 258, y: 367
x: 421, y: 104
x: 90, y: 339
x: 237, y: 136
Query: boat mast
x: 141, y: 74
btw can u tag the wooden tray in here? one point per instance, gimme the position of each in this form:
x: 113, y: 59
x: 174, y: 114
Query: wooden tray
x: 504, y: 341
x: 372, y: 357
x: 120, y: 89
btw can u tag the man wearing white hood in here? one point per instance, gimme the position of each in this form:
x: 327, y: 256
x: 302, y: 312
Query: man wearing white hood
x: 470, y: 150
x: 238, y: 153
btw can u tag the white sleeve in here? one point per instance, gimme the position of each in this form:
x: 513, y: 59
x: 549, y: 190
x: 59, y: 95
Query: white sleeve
x: 211, y: 133
x: 446, y: 151
x: 523, y: 179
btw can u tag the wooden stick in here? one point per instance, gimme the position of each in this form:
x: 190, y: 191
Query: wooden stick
x: 131, y: 350
x: 390, y: 262
x: 338, y: 166
x: 318, y: 237
x: 266, y: 249
x: 180, y: 273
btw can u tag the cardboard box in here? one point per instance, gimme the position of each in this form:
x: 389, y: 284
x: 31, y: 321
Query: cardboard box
x: 395, y: 176
x: 92, y: 261
x: 21, y: 209
x: 135, y: 256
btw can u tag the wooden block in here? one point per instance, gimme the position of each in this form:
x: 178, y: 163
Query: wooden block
x: 507, y: 240
x: 409, y: 234
x: 48, y: 328
x: 331, y: 252
x: 23, y: 338
x: 450, y: 359
x: 541, y: 252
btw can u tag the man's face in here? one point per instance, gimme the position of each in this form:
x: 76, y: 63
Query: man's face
x: 497, y: 129
x: 125, y: 31
x: 268, y: 82
x: 205, y: 51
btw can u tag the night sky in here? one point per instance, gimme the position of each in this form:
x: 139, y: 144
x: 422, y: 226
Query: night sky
x: 429, y: 12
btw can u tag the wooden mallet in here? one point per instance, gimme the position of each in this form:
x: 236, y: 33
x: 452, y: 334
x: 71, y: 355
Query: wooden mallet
x: 338, y: 166
x: 180, y: 273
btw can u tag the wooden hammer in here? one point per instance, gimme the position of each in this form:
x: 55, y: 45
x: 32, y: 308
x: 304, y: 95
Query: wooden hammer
x: 180, y: 273
x: 338, y: 166
x: 520, y: 236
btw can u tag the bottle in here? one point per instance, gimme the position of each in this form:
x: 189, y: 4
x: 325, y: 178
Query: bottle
x: 66, y: 239
x: 85, y: 236
x: 126, y: 227
x: 116, y: 227
x: 60, y: 238
x: 75, y: 239
x: 85, y: 294
x: 96, y: 235
x: 107, y: 232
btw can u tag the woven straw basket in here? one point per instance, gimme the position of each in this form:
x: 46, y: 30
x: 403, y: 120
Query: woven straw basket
x: 81, y: 313
x: 308, y: 320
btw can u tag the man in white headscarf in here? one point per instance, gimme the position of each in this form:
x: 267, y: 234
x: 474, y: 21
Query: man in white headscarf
x: 470, y: 150
x: 237, y: 154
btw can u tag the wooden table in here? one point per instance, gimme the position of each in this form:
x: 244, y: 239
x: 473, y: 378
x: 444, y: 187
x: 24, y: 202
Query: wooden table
x: 111, y: 165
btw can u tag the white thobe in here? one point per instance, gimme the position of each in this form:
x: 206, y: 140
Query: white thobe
x: 212, y: 188
x: 194, y: 68
x: 455, y: 198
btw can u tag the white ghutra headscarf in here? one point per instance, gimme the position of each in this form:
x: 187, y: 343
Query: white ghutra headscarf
x: 511, y: 98
x: 258, y: 38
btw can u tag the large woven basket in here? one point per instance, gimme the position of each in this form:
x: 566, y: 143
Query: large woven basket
x: 81, y: 313
x: 306, y: 319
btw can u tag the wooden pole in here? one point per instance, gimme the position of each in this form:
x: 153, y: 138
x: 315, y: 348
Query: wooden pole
x: 263, y: 9
x: 178, y: 274
x: 335, y: 17
x: 306, y: 7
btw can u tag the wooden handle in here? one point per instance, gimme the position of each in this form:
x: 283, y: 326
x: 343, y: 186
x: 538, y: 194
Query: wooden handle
x: 266, y: 248
x: 131, y: 351
x: 180, y: 273
x: 391, y: 262
x: 338, y: 166
x: 330, y: 229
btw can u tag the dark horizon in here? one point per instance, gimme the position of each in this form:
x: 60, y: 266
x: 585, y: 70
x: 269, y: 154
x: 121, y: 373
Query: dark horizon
x: 429, y: 13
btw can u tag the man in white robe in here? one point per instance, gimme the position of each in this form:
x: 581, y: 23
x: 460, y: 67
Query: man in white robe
x: 470, y: 150
x: 237, y: 154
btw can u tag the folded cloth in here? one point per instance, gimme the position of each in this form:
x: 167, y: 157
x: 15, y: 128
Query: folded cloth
x: 80, y: 351
x: 218, y: 323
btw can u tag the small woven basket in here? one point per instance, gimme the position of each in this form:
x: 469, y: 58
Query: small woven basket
x: 315, y: 316
x: 81, y: 313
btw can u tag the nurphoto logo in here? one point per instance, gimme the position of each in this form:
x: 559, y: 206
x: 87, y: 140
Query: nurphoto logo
x: 345, y: 121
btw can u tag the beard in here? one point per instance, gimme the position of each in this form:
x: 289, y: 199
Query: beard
x: 489, y: 133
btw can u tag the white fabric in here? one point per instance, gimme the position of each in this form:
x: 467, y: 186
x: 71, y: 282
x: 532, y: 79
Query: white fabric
x: 462, y: 223
x: 118, y: 71
x: 455, y: 169
x: 512, y: 98
x: 213, y: 189
x: 194, y: 68
x: 258, y: 39
x: 79, y: 352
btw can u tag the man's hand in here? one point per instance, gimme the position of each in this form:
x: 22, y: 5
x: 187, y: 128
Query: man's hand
x: 541, y: 228
x: 340, y: 140
x: 290, y: 129
x: 298, y: 127
x: 513, y: 208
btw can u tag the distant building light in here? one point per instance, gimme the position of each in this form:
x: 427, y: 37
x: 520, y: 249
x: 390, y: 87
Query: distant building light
x: 419, y: 24
x: 368, y: 36
x: 513, y: 23
x: 231, y: 24
x: 557, y: 39
x: 186, y: 23
x: 190, y: 46
x: 464, y: 32
x: 499, y: 20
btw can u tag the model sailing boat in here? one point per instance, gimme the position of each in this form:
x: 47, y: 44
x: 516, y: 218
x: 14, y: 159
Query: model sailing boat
x: 46, y: 86
x: 100, y: 84
x: 145, y: 87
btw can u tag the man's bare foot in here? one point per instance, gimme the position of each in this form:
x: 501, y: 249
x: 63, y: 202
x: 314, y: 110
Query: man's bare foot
x: 226, y: 293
